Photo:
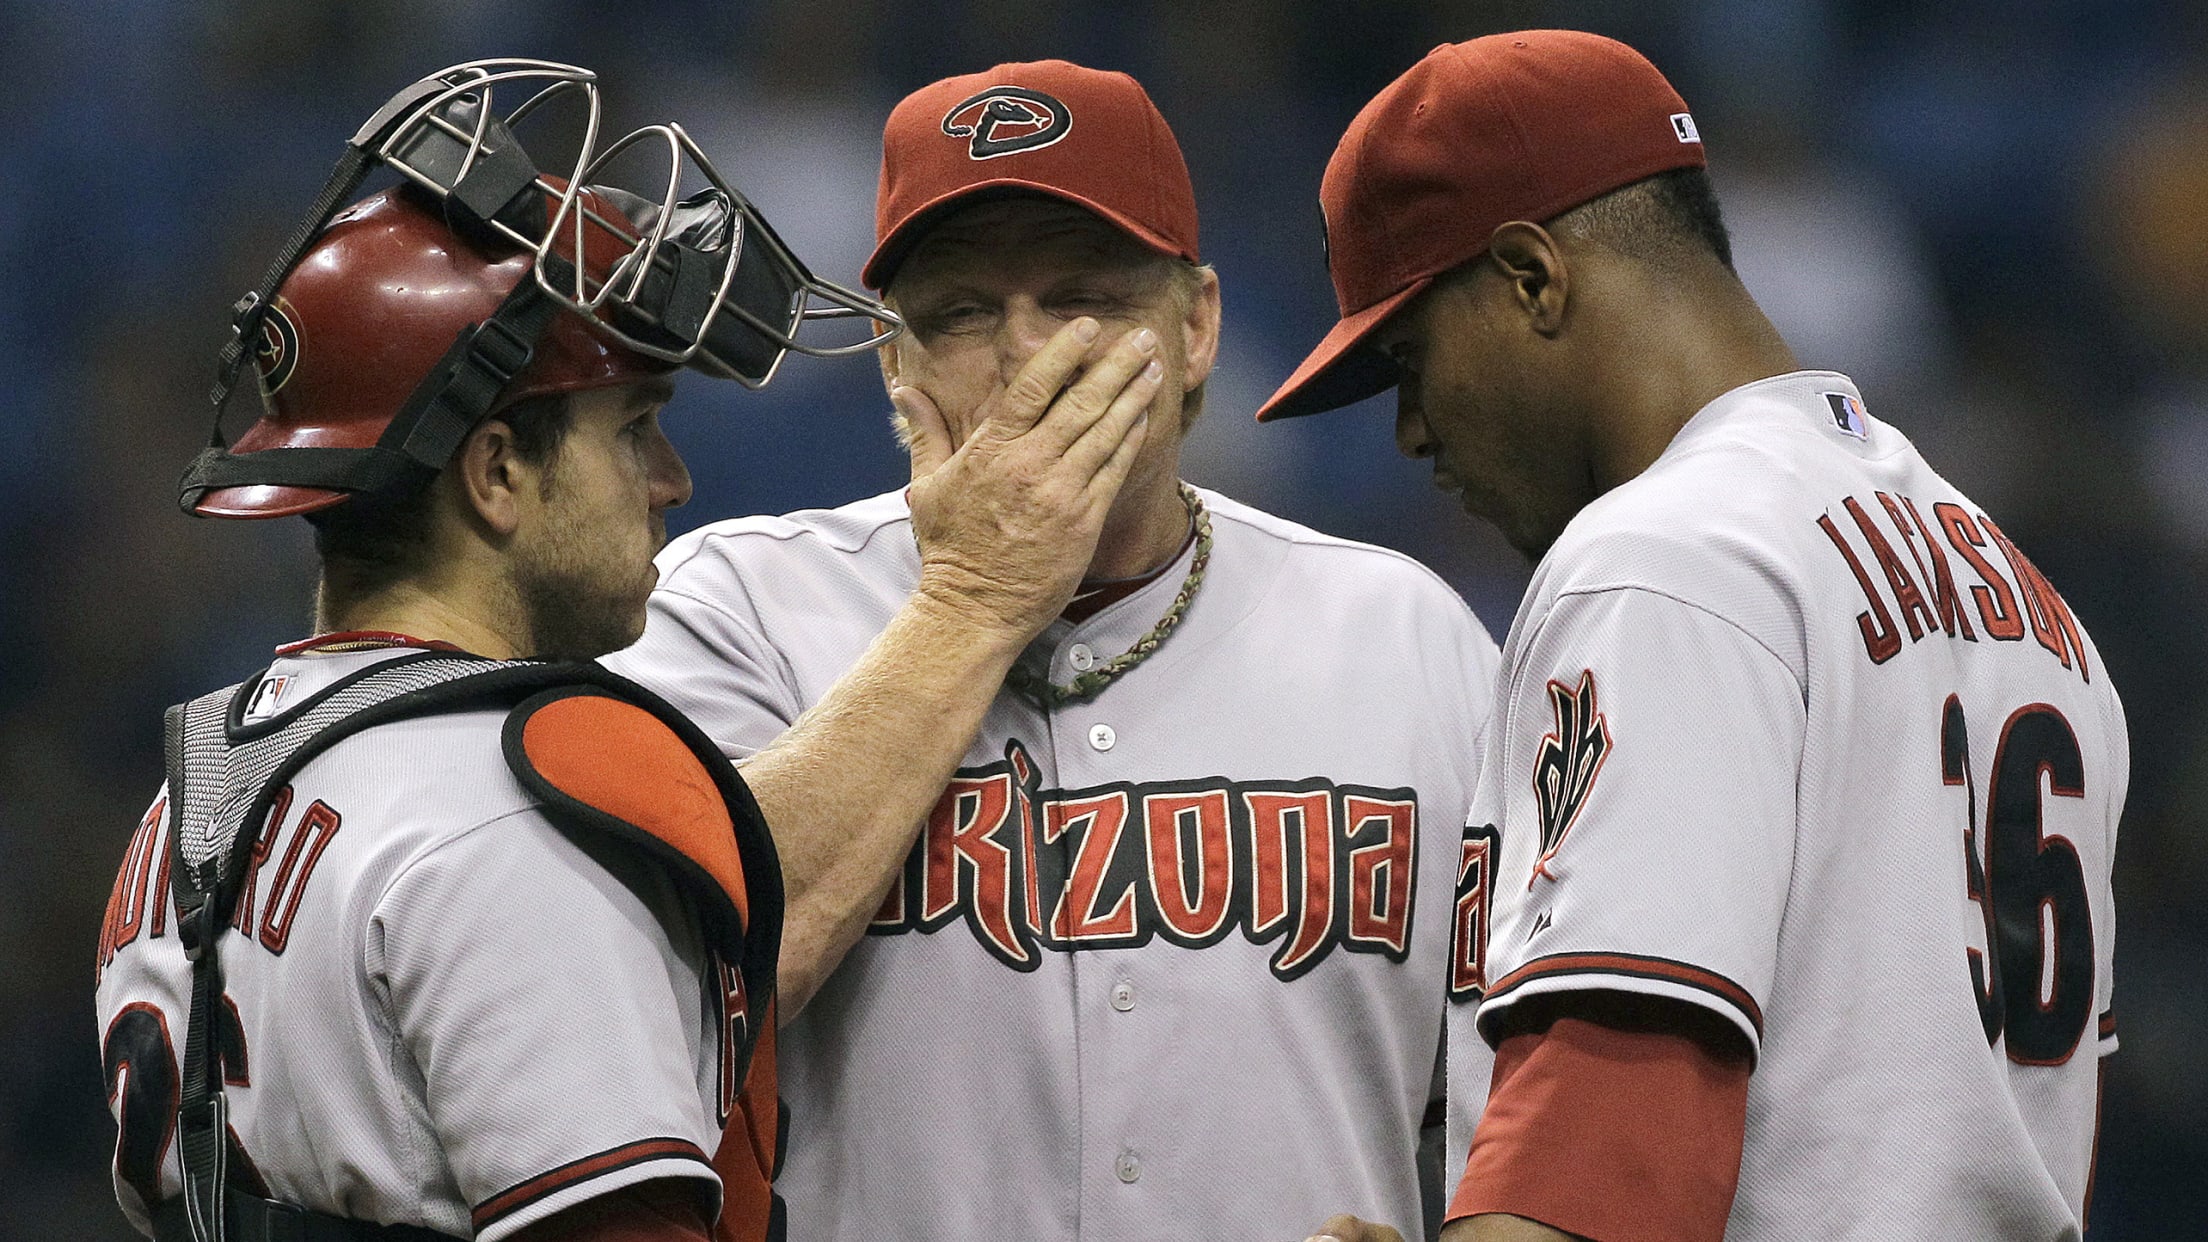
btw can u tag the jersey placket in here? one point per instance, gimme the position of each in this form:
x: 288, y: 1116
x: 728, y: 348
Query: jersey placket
x: 1113, y: 986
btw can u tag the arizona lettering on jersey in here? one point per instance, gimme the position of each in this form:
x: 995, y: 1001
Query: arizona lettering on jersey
x: 1132, y: 925
x: 1304, y: 863
x: 1770, y: 741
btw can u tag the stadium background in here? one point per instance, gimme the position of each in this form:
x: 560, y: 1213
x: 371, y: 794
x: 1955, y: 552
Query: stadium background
x: 1991, y: 213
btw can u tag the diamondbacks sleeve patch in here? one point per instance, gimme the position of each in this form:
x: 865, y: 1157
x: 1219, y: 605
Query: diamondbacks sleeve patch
x: 1565, y: 767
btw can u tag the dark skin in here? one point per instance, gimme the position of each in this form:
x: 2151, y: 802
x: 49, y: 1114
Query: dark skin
x: 1552, y: 368
x: 1538, y: 376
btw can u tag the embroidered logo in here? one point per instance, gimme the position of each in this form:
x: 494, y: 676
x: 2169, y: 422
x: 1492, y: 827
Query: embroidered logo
x: 1682, y: 126
x: 276, y: 349
x: 1005, y: 120
x: 1849, y: 418
x: 1564, y: 770
x: 1475, y: 885
x: 268, y: 696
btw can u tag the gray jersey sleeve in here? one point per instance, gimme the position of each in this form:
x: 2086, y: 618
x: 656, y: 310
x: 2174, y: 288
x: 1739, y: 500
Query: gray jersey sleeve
x: 707, y: 656
x: 1648, y: 771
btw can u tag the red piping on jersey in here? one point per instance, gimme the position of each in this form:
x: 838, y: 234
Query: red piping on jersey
x: 1635, y: 966
x: 506, y: 1202
x: 362, y: 640
x: 1094, y: 595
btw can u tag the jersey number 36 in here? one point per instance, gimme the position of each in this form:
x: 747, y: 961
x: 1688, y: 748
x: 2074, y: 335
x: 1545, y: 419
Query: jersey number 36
x: 2035, y: 980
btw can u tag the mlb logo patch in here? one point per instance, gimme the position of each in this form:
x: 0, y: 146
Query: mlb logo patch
x: 268, y: 696
x: 1682, y: 125
x: 1849, y: 417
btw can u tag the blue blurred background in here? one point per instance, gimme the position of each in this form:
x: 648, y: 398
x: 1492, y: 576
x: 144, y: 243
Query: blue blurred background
x: 1994, y: 215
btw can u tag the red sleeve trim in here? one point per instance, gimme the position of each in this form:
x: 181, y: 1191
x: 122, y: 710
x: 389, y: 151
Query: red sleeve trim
x: 1634, y: 966
x: 661, y: 1210
x: 1609, y: 1134
x: 514, y: 1198
x: 2108, y: 1024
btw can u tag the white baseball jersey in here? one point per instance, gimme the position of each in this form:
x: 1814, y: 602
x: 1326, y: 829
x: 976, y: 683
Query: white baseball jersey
x: 441, y: 1011
x: 1790, y: 730
x: 1169, y: 962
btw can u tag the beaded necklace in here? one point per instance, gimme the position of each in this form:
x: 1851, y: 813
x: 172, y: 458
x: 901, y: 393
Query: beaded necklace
x: 1048, y: 694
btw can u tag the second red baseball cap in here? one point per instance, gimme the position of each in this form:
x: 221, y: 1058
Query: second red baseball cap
x: 1084, y: 135
x: 1522, y: 126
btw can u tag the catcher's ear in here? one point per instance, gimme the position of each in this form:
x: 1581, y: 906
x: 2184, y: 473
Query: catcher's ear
x: 491, y: 475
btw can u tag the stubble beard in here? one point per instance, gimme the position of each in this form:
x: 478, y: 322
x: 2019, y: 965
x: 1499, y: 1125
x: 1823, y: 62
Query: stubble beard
x: 576, y: 609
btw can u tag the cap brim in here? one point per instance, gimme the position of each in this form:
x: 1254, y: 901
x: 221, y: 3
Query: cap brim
x: 265, y: 500
x: 1342, y: 369
x: 891, y: 252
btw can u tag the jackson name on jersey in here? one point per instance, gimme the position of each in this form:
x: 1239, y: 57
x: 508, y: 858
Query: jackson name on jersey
x: 1791, y: 730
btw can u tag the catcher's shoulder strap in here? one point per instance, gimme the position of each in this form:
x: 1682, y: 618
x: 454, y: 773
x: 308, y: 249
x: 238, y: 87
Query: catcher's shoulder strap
x: 607, y: 755
x: 225, y: 773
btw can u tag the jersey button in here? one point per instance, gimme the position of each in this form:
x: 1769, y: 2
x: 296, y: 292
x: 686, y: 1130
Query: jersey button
x: 1102, y: 737
x: 1128, y: 1166
x: 1081, y: 657
x: 1123, y: 996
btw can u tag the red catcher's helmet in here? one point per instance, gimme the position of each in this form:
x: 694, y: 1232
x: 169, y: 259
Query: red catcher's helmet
x: 370, y: 309
x: 384, y: 333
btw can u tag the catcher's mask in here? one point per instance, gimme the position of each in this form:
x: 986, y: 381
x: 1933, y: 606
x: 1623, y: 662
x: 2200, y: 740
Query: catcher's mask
x: 385, y: 331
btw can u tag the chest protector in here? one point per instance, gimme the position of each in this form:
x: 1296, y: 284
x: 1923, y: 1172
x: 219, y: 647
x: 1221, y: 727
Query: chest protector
x: 604, y: 757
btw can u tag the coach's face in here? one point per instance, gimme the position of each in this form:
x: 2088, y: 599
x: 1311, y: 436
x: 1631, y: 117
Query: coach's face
x: 1488, y: 395
x: 983, y: 291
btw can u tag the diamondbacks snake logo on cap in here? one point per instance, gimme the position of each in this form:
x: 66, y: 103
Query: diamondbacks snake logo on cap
x: 1005, y: 120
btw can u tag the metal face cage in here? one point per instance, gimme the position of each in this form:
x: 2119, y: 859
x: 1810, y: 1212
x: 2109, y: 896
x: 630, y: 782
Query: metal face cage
x: 701, y: 281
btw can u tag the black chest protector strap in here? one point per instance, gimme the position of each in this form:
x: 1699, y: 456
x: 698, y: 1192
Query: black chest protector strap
x: 224, y: 775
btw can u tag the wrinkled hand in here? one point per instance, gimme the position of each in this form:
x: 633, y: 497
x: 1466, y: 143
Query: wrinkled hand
x: 1008, y: 521
x: 1351, y: 1229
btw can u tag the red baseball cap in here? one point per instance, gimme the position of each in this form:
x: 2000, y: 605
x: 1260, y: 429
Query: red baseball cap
x: 1522, y: 126
x: 1084, y: 135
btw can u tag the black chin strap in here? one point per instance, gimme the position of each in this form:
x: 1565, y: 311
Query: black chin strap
x: 246, y: 315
